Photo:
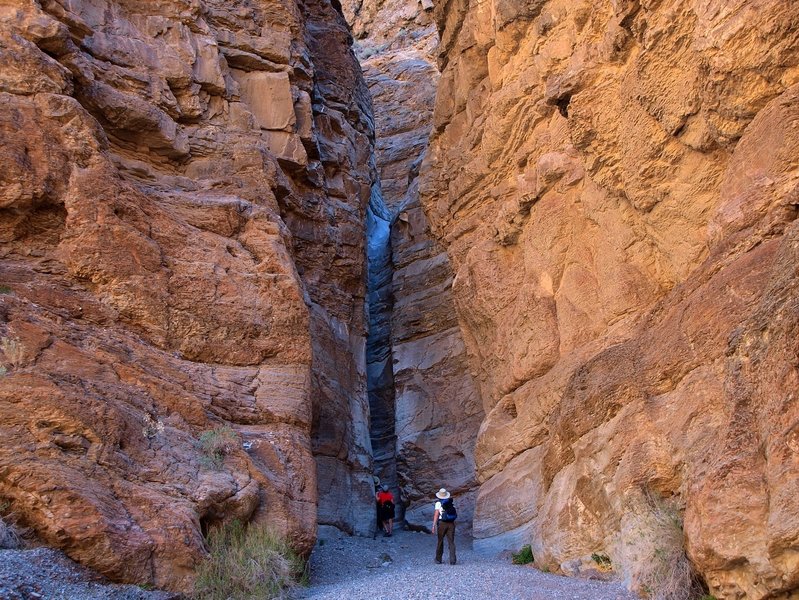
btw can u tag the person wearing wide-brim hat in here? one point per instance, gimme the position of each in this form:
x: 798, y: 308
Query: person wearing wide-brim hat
x: 444, y: 525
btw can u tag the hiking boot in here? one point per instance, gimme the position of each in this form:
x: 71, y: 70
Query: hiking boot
x: 438, y: 562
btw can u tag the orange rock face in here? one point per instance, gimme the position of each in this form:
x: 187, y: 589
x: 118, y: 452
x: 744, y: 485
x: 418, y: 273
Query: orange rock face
x: 616, y: 186
x: 182, y: 209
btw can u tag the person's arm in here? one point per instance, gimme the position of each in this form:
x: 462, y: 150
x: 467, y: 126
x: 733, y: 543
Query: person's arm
x: 435, y: 518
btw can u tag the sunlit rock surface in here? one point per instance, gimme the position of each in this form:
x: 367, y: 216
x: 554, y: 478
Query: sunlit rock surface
x: 616, y: 187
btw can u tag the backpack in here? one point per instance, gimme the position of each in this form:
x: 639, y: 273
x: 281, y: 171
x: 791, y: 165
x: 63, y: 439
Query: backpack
x: 450, y: 514
x: 386, y: 509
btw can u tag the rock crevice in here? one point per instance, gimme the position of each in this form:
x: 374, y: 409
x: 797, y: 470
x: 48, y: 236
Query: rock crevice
x: 427, y: 418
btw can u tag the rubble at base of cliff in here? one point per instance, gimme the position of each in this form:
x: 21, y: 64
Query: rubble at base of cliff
x: 47, y: 574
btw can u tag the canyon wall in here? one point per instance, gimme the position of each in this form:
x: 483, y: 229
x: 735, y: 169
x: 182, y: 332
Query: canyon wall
x: 182, y: 212
x: 426, y: 405
x: 616, y: 186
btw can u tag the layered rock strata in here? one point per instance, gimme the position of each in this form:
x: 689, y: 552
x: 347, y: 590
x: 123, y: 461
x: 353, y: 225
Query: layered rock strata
x: 182, y: 210
x: 434, y: 405
x: 332, y: 264
x: 616, y: 186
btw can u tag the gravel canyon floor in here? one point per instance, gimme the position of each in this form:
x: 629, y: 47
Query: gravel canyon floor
x: 402, y: 567
x: 351, y: 568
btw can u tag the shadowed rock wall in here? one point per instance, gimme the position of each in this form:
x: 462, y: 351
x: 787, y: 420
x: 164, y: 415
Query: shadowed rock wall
x: 379, y: 358
x: 435, y: 407
x: 615, y: 184
x: 182, y: 209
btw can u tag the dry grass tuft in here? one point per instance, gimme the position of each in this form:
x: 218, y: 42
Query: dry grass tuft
x: 218, y: 443
x: 13, y: 350
x: 247, y: 562
x: 9, y: 536
x: 667, y: 573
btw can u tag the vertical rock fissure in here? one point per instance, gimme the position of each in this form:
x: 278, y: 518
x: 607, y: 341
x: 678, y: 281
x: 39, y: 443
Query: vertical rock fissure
x: 425, y: 407
x: 379, y: 359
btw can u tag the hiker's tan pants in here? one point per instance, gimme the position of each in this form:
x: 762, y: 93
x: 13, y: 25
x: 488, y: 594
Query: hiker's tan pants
x: 446, y: 529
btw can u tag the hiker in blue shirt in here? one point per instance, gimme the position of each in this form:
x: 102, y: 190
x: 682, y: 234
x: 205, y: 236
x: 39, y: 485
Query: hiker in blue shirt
x: 444, y: 525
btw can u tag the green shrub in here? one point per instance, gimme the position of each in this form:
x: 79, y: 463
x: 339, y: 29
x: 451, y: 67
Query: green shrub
x: 246, y: 562
x: 602, y: 560
x: 4, y: 289
x: 217, y: 444
x: 523, y: 556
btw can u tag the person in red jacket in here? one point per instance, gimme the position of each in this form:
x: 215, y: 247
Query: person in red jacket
x: 385, y: 505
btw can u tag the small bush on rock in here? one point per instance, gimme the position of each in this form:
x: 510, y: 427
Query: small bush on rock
x: 664, y: 571
x: 13, y: 350
x: 217, y: 444
x: 523, y: 556
x: 247, y: 562
x: 9, y: 537
x: 602, y: 560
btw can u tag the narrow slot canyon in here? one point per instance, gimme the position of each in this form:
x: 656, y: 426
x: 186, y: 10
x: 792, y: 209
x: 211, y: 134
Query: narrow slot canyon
x: 425, y: 406
x: 254, y: 254
x: 379, y: 355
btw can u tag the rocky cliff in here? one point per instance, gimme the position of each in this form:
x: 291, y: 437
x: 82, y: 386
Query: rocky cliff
x: 582, y: 277
x: 616, y: 185
x: 182, y: 214
x: 426, y: 405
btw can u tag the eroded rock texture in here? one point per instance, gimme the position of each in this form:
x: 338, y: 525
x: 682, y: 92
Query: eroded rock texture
x: 616, y: 185
x: 182, y: 207
x: 434, y: 406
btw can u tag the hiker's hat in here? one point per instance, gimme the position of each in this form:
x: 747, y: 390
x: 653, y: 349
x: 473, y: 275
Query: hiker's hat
x: 442, y: 494
x: 384, y: 487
